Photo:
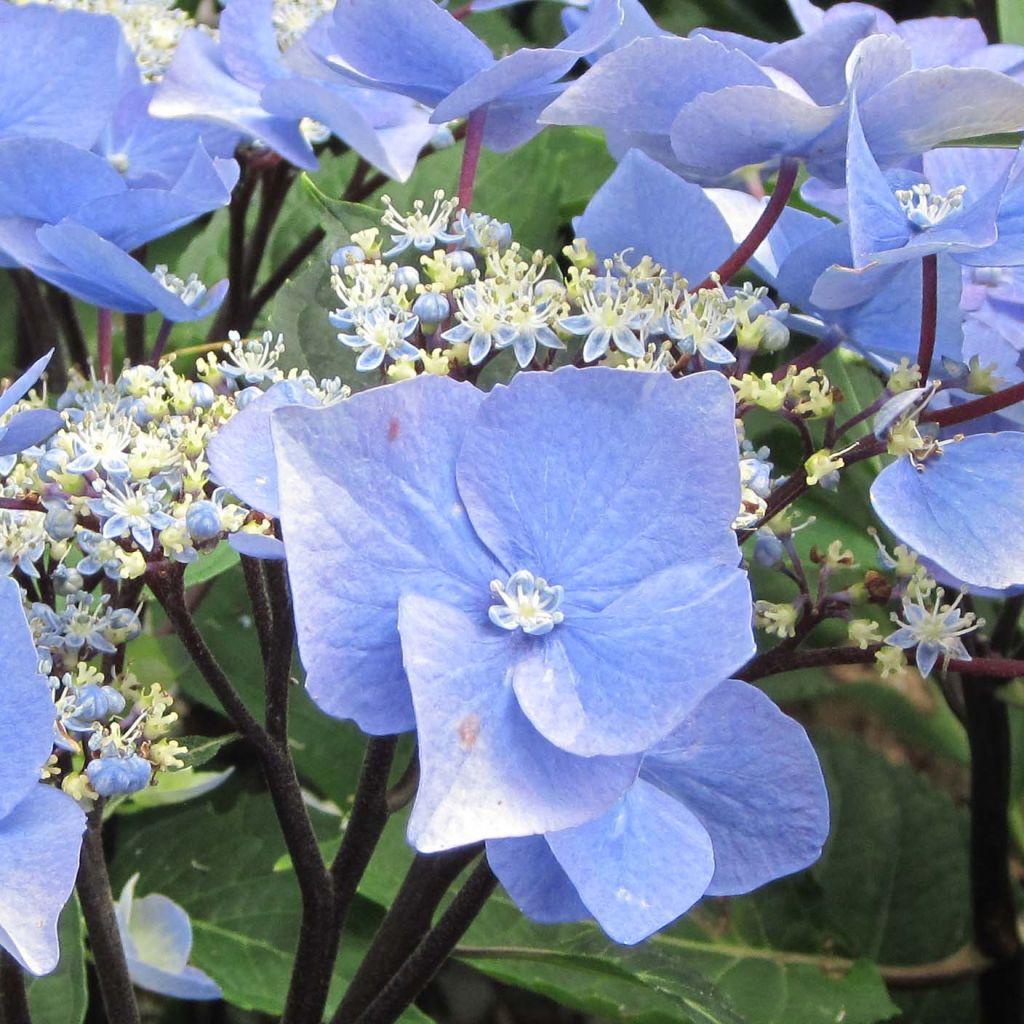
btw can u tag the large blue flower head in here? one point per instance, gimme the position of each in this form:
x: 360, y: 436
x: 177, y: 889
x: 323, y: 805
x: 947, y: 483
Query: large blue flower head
x: 40, y: 827
x: 543, y: 581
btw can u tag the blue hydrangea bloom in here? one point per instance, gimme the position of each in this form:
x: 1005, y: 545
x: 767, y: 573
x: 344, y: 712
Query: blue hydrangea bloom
x: 417, y: 49
x: 963, y: 510
x: 708, y: 109
x: 244, y: 81
x: 409, y: 511
x: 40, y: 827
x: 879, y: 308
x: 157, y: 937
x: 967, y: 204
x: 934, y: 42
x: 68, y: 215
x: 114, y: 170
x: 731, y: 799
x: 31, y: 426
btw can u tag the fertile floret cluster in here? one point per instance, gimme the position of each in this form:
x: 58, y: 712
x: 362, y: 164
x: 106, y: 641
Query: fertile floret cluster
x: 473, y: 292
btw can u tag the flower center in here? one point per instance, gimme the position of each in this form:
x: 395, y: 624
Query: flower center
x: 924, y: 208
x: 528, y: 602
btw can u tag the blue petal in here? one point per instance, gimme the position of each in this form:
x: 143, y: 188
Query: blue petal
x: 99, y: 271
x: 28, y: 428
x: 156, y: 151
x: 157, y: 936
x: 615, y: 681
x: 40, y: 841
x: 199, y: 86
x: 751, y: 775
x: 241, y: 453
x: 642, y: 86
x: 46, y: 180
x: 640, y: 865
x: 59, y: 76
x: 190, y: 983
x: 510, y: 76
x: 881, y: 312
x: 249, y: 43
x: 536, y: 882
x: 877, y: 221
x: 24, y: 701
x: 485, y: 772
x: 369, y: 510
x: 25, y: 383
x: 718, y: 133
x: 926, y: 107
x: 551, y: 488
x: 386, y: 130
x: 817, y: 60
x: 408, y: 46
x: 961, y: 510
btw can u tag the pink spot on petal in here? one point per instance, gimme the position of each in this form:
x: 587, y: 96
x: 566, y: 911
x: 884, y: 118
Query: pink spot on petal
x: 469, y: 731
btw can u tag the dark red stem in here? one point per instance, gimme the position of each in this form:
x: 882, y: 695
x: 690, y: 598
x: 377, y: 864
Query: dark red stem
x: 471, y: 156
x: 929, y: 315
x: 978, y: 407
x: 759, y: 232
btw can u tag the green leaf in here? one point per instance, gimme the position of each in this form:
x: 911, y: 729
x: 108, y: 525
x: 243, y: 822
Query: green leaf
x: 350, y: 217
x: 1011, y: 21
x: 62, y: 997
x: 173, y: 788
x: 1000, y: 140
x: 211, y: 565
x: 922, y: 720
x: 577, y: 966
x: 201, y: 749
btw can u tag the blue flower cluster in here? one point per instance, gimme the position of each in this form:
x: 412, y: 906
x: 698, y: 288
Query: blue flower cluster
x: 515, y: 576
x: 543, y: 580
x: 87, y: 175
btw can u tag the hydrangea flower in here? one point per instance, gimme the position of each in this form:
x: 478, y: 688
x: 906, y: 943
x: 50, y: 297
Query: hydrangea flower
x: 408, y: 511
x: 416, y: 49
x: 934, y: 631
x: 157, y: 938
x: 30, y: 426
x: 962, y: 510
x: 40, y: 827
x: 114, y: 176
x: 261, y: 78
x: 731, y: 799
x: 722, y: 110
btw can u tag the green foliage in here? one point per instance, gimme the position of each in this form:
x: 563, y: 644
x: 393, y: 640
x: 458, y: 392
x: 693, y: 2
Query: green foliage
x: 1011, y: 21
